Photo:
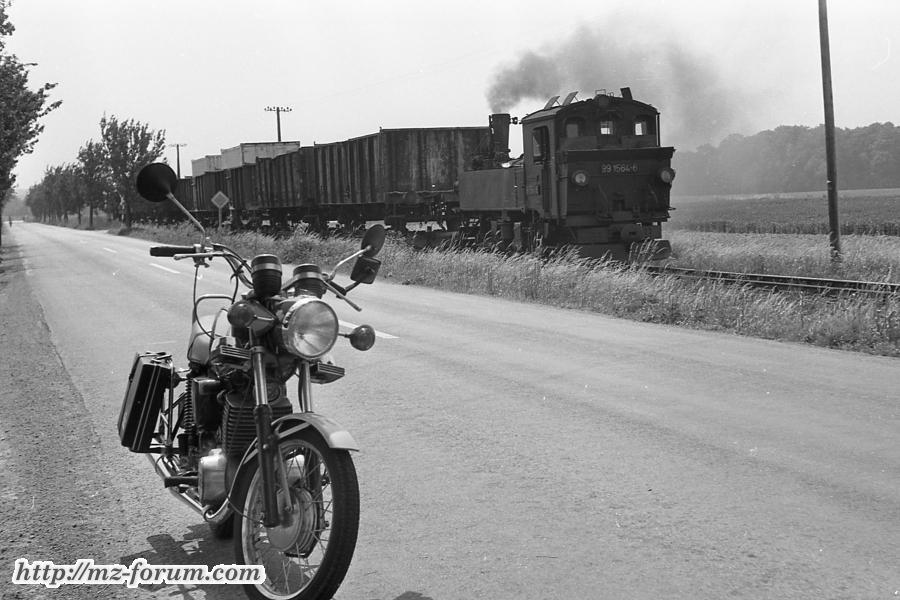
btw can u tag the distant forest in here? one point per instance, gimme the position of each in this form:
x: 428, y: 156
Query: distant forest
x: 791, y: 159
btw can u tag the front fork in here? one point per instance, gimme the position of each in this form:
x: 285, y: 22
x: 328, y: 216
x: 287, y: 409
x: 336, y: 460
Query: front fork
x: 275, y: 506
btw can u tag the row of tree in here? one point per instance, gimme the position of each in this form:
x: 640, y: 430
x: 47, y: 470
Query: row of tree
x: 21, y: 109
x: 791, y: 159
x: 103, y: 175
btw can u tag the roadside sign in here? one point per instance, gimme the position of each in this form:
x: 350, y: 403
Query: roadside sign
x: 220, y: 200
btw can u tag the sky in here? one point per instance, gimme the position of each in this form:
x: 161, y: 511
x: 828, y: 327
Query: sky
x: 205, y: 70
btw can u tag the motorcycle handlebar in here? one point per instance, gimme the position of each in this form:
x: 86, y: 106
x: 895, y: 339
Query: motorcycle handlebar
x: 337, y: 287
x: 171, y: 250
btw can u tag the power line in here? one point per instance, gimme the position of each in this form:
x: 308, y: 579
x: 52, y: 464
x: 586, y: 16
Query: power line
x: 177, y: 147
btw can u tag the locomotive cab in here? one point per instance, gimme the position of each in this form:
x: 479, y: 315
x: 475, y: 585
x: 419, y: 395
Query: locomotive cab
x: 596, y: 173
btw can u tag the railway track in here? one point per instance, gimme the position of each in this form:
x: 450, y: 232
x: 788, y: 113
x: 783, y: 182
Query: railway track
x: 783, y: 282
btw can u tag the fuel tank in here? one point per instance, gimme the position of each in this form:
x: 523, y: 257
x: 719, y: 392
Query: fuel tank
x: 203, y: 332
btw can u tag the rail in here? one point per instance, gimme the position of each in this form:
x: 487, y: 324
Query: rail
x: 782, y: 282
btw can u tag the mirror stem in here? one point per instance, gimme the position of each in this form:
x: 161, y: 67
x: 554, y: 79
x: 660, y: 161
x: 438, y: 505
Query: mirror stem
x: 342, y: 297
x: 346, y: 260
x: 190, y: 217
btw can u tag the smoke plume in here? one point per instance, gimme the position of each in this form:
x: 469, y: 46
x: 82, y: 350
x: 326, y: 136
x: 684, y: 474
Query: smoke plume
x: 685, y: 86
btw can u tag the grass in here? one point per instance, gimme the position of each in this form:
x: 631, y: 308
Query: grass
x: 866, y: 258
x: 849, y: 323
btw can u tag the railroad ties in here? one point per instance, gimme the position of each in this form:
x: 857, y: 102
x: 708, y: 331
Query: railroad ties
x: 782, y: 282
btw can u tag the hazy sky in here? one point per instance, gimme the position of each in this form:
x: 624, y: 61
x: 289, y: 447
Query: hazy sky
x: 204, y: 70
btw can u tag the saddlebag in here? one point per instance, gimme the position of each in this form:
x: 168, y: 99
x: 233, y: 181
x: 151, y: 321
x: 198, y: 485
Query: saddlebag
x: 149, y: 381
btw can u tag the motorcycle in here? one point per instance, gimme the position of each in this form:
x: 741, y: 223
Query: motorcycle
x: 229, y: 444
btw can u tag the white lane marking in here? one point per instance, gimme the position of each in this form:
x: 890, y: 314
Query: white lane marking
x: 164, y: 268
x: 380, y: 334
x: 111, y: 250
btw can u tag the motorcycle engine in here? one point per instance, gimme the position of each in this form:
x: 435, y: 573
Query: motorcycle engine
x: 238, y: 425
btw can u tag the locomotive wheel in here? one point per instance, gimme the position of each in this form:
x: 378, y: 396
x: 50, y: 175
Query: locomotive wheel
x: 307, y: 555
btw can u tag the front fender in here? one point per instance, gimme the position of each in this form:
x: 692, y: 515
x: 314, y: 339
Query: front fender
x: 331, y: 431
x: 335, y: 435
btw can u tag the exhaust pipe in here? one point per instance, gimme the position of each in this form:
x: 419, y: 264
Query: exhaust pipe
x: 165, y: 468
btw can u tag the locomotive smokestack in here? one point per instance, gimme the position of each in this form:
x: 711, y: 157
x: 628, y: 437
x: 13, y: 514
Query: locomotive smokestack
x: 499, y: 124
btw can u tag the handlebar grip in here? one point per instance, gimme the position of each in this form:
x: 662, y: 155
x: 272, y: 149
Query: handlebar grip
x: 171, y: 250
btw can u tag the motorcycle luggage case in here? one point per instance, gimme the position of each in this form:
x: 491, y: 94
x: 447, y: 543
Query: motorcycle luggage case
x: 150, y: 379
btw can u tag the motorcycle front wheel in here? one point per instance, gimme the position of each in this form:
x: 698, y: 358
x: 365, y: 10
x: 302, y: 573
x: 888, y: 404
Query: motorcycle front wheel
x: 308, y: 554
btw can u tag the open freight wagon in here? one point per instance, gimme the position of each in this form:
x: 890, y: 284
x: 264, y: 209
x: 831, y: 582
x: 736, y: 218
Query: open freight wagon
x: 395, y: 175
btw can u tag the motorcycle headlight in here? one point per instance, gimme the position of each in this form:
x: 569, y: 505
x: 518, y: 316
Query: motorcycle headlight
x: 309, y: 328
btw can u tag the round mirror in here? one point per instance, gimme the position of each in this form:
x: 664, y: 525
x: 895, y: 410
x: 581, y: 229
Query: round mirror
x: 156, y: 181
x: 373, y: 240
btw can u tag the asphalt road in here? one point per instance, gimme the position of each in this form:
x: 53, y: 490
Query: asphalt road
x: 508, y: 450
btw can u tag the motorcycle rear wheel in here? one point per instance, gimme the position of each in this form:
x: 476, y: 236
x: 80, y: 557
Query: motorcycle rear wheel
x: 309, y: 557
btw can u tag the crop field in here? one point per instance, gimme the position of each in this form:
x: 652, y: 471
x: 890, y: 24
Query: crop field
x: 860, y: 212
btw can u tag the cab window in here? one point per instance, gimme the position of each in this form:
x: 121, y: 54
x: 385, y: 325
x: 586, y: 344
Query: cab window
x: 606, y: 127
x: 574, y: 128
x: 539, y: 139
x: 640, y: 127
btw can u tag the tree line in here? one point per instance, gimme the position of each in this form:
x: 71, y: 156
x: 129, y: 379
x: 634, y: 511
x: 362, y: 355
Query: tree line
x: 791, y: 159
x: 21, y: 109
x: 102, y: 177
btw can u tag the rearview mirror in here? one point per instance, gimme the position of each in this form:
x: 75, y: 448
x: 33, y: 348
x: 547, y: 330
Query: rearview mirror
x: 365, y: 269
x: 156, y: 182
x: 373, y: 241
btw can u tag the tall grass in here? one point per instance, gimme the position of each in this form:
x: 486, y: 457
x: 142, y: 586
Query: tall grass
x: 565, y: 280
x: 866, y: 258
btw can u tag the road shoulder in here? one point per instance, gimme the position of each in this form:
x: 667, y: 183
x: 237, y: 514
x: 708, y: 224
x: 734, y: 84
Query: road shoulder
x: 51, y: 474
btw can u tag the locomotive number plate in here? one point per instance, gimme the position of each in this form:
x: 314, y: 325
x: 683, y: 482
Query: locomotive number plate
x: 623, y: 168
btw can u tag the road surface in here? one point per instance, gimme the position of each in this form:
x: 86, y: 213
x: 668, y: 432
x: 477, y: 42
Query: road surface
x: 508, y: 450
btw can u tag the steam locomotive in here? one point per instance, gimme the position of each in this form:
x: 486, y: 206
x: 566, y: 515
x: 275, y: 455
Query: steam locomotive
x: 593, y: 174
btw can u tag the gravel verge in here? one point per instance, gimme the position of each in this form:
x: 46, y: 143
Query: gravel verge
x: 52, y: 484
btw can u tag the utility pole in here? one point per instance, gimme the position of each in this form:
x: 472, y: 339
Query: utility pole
x: 831, y: 167
x: 278, y: 110
x: 177, y: 158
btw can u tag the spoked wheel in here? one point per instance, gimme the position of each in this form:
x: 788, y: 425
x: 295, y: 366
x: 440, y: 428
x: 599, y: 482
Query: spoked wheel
x: 307, y: 555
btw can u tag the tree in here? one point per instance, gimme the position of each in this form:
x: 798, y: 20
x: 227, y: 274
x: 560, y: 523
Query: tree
x: 96, y: 177
x: 127, y: 147
x: 20, y: 108
x: 59, y: 193
x: 791, y: 159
